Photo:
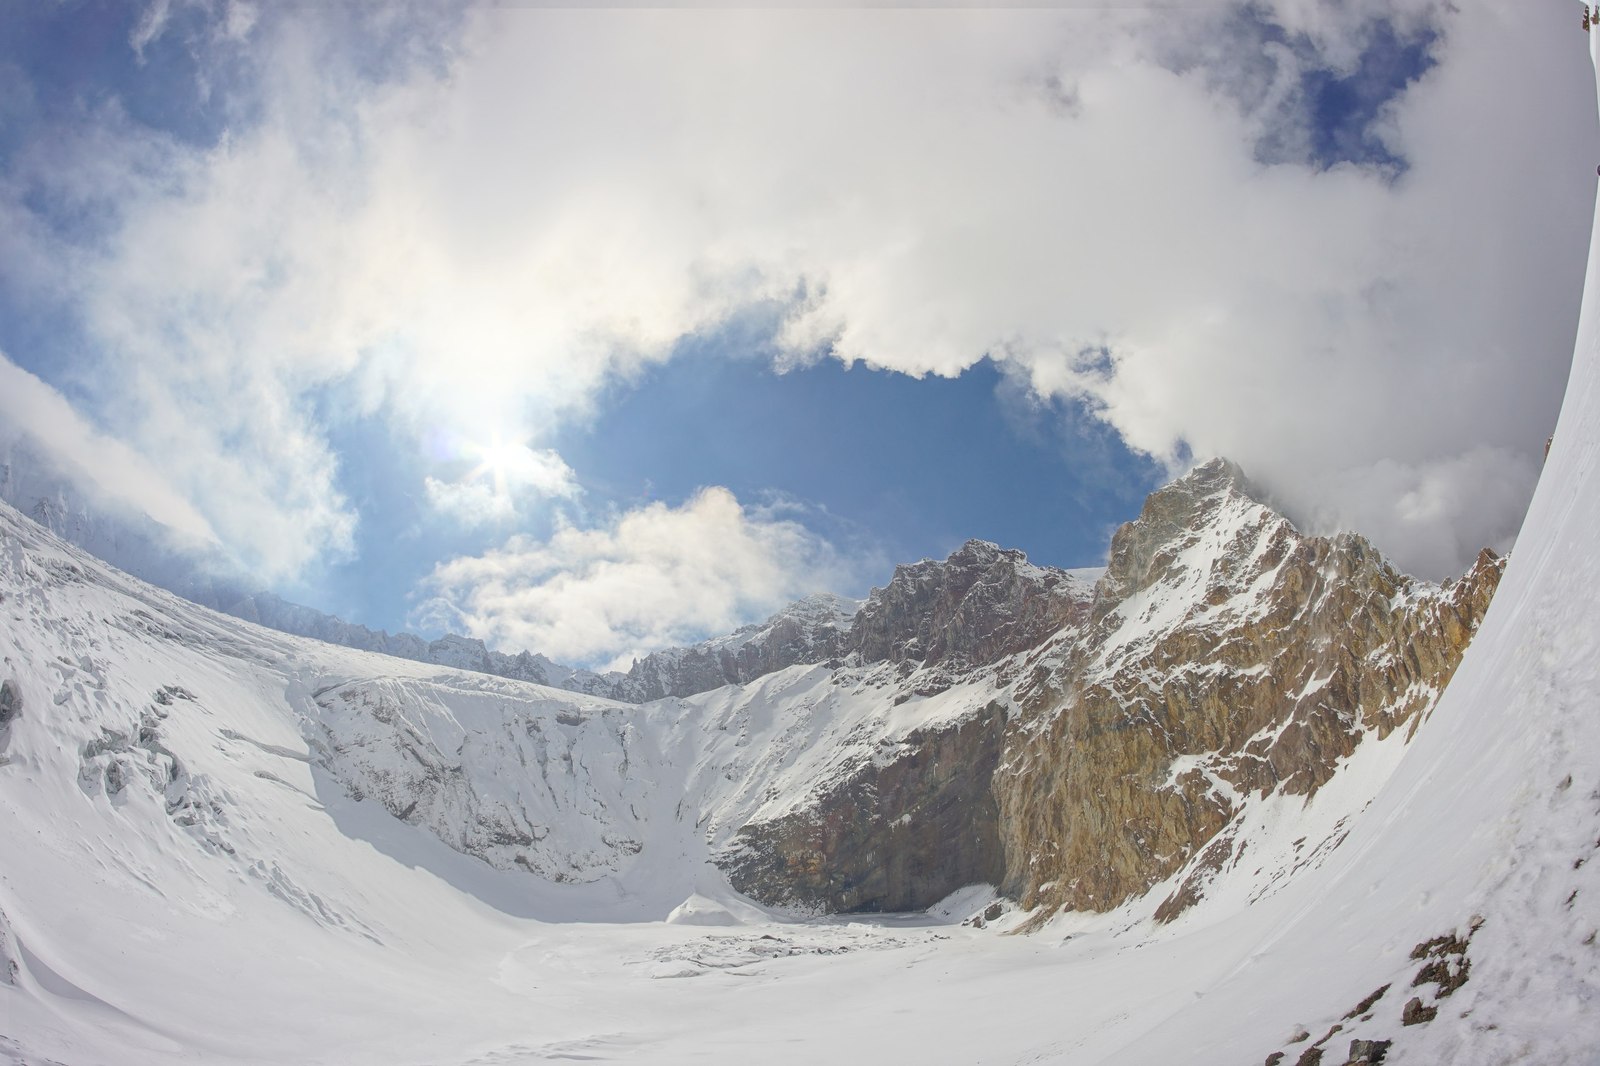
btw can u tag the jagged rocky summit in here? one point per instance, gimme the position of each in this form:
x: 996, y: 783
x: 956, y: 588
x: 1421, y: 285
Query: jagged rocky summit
x: 1228, y: 656
x: 1222, y: 656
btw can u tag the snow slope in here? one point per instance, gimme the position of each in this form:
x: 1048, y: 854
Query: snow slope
x: 185, y: 878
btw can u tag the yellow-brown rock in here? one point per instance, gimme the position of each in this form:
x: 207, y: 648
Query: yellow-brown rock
x: 1123, y: 727
x: 1226, y: 654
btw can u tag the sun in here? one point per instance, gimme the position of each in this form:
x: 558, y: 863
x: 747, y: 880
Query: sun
x: 500, y: 460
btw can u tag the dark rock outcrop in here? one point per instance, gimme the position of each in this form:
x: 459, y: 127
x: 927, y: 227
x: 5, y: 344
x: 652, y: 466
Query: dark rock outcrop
x: 1367, y: 1051
x: 9, y: 967
x: 893, y: 837
x: 10, y: 711
x: 980, y: 605
x: 809, y: 631
x: 1417, y: 1013
x: 10, y: 702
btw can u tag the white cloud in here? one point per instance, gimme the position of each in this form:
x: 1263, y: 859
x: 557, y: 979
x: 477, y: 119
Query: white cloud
x: 489, y: 236
x: 471, y: 503
x: 505, y: 478
x: 647, y: 578
x: 239, y: 18
x: 107, y: 471
x: 150, y: 26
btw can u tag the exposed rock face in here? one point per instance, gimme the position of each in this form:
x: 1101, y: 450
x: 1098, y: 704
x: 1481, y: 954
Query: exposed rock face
x: 10, y: 709
x: 1227, y: 654
x: 9, y: 967
x: 894, y: 837
x: 1221, y: 655
x: 918, y: 820
x: 980, y: 605
x: 813, y: 630
x: 977, y: 608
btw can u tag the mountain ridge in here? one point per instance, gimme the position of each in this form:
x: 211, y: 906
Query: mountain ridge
x: 811, y: 630
x: 950, y: 756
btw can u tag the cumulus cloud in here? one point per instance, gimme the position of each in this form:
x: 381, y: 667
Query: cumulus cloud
x: 645, y: 579
x: 530, y: 204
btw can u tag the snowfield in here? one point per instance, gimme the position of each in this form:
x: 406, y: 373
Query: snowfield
x: 212, y: 850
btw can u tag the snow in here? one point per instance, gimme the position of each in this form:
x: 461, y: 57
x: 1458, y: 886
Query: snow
x: 186, y: 878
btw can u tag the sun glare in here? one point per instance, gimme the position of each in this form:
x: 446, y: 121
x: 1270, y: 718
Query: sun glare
x: 499, y: 461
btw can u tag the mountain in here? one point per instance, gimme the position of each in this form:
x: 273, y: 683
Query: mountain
x: 1119, y: 733
x: 1074, y: 737
x: 802, y: 632
x: 1229, y: 659
x: 813, y: 630
x: 1178, y: 743
x: 1255, y: 795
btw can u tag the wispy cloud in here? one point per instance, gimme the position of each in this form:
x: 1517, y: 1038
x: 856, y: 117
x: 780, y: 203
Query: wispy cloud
x: 150, y: 26
x: 114, y: 477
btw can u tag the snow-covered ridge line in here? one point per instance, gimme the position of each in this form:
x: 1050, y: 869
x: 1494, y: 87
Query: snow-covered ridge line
x: 812, y: 630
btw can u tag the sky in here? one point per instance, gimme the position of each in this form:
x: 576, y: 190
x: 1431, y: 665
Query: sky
x: 596, y: 331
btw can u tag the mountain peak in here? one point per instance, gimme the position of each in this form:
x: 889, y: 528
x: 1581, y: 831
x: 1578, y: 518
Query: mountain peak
x: 1218, y: 474
x: 1216, y: 495
x: 982, y: 552
x: 976, y: 606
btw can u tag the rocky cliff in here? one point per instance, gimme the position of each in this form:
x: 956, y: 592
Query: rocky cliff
x: 981, y: 605
x: 1222, y: 655
x: 898, y: 834
x: 813, y: 630
x: 1228, y: 654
